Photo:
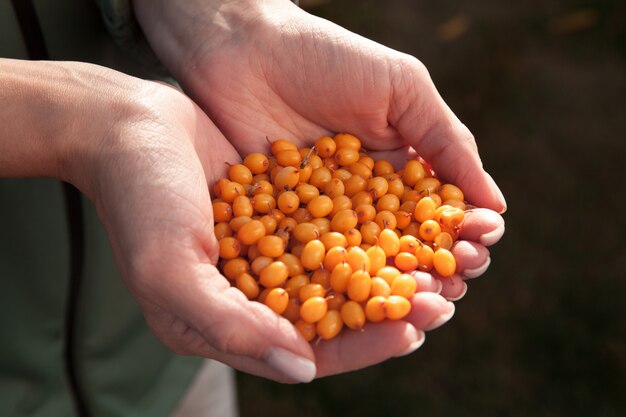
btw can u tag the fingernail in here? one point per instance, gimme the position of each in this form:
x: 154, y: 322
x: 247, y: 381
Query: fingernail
x: 413, y: 346
x: 440, y: 320
x: 461, y: 295
x: 498, y: 192
x: 439, y: 286
x: 476, y: 272
x: 492, y: 237
x: 291, y: 365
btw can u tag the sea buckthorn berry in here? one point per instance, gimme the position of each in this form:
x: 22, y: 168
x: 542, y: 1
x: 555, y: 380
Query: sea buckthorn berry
x: 408, y: 243
x: 287, y: 224
x: 222, y: 211
x: 256, y: 162
x: 271, y: 246
x: 313, y: 309
x: 259, y: 263
x: 343, y: 221
x: 277, y: 299
x: 231, y: 190
x: 263, y: 203
x: 357, y: 259
x: 334, y: 256
x: 444, y: 240
x: 320, y: 177
x: 362, y: 197
x: 388, y: 273
x: 405, y: 261
x: 247, y: 285
x: 320, y: 206
x: 444, y: 262
x: 315, y: 162
x: 389, y: 202
x: 340, y: 277
x: 288, y: 202
x: 307, y: 330
x: 424, y: 255
x: 242, y: 206
x: 305, y: 173
x: 341, y: 202
x: 346, y: 156
x: 335, y: 300
x: 325, y: 146
x: 354, y: 184
x: 222, y: 230
x: 251, y: 232
x: 292, y: 312
x: 235, y: 267
x: 302, y: 215
x: 451, y: 192
x: 353, y: 315
x: 386, y: 220
x: 389, y: 242
x: 404, y: 285
x: 353, y: 237
x: 451, y: 217
x: 427, y: 186
x: 397, y: 307
x: 330, y: 325
x: 311, y: 290
x: 378, y: 186
x: 274, y: 275
x: 342, y: 174
x: 306, y: 192
x: 282, y: 145
x: 313, y: 254
x: 261, y: 187
x: 334, y: 188
x: 331, y: 164
x: 380, y: 287
x: 321, y: 277
x: 322, y: 223
x: 455, y: 203
x: 365, y: 212
x: 305, y: 232
x: 375, y: 309
x: 347, y: 140
x: 395, y: 186
x: 286, y: 178
x: 382, y: 167
x: 413, y: 229
x: 269, y: 223
x: 429, y: 230
x: 403, y: 219
x: 240, y: 173
x: 289, y: 157
x: 230, y: 248
x: 252, y: 252
x: 359, y: 286
x: 377, y: 258
x: 413, y: 172
x: 366, y: 160
x: 237, y: 222
x: 425, y: 209
x: 360, y: 169
x: 369, y: 232
x: 219, y: 184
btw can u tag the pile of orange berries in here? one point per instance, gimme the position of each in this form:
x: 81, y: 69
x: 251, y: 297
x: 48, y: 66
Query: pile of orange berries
x: 327, y: 236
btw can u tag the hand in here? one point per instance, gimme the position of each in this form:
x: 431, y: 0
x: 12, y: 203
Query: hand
x: 144, y: 153
x: 269, y: 69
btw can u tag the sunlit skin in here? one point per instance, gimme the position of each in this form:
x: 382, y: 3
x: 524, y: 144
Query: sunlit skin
x: 400, y: 110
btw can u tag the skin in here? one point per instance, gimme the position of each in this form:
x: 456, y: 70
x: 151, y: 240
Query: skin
x: 268, y: 69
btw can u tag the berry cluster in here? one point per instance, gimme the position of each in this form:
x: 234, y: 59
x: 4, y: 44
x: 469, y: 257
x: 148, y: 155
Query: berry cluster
x: 327, y: 236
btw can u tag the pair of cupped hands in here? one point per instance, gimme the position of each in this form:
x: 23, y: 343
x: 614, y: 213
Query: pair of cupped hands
x: 251, y: 70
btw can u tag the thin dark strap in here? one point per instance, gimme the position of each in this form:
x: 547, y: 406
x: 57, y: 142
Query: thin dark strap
x: 36, y: 47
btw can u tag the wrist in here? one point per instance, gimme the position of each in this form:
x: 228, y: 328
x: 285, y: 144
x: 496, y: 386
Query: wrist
x: 184, y: 34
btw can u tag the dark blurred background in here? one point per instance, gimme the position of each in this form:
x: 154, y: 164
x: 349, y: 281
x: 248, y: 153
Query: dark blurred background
x: 542, y: 85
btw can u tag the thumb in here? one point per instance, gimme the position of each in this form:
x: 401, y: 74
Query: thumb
x: 426, y: 123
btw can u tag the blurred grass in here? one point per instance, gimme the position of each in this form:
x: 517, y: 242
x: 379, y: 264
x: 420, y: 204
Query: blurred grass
x: 542, y: 85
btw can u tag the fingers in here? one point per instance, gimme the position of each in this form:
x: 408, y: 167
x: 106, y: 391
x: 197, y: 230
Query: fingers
x: 354, y: 349
x: 482, y: 225
x: 246, y: 335
x: 425, y: 121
